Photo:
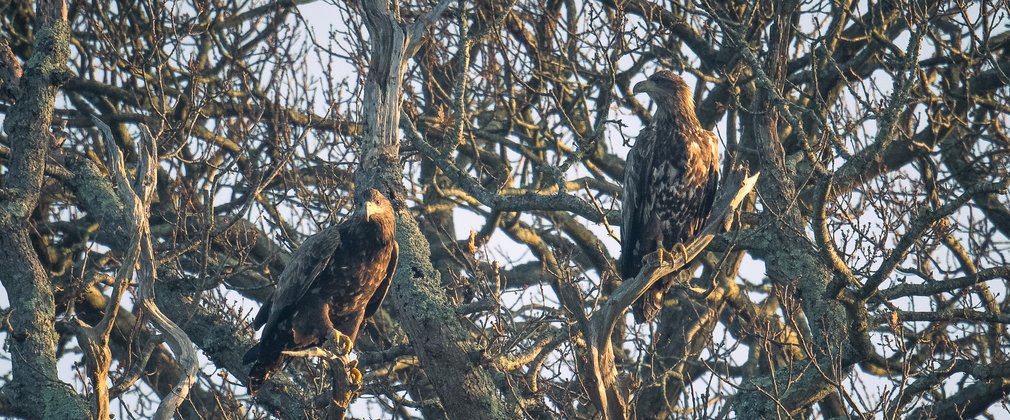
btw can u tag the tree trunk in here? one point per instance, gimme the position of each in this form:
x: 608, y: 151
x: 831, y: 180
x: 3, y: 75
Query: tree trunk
x: 442, y: 343
x: 35, y: 389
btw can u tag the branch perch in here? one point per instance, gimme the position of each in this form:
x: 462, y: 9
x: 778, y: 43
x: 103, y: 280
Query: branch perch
x: 345, y: 378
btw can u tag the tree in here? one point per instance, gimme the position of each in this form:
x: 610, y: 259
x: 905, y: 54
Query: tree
x: 159, y: 163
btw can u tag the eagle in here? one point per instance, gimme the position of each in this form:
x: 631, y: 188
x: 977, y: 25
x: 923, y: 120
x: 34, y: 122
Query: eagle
x: 670, y: 181
x: 336, y: 279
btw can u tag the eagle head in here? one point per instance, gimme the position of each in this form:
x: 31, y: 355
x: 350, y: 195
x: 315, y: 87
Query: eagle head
x: 375, y: 205
x: 674, y: 100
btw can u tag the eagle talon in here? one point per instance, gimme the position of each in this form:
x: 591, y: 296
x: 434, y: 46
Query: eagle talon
x: 344, y: 345
x: 354, y: 376
x: 340, y: 343
x: 679, y: 247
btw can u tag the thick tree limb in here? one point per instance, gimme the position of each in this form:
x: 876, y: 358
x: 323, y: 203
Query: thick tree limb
x: 95, y: 340
x: 35, y: 389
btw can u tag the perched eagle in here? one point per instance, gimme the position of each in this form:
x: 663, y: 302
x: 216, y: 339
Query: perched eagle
x: 336, y: 279
x: 669, y: 184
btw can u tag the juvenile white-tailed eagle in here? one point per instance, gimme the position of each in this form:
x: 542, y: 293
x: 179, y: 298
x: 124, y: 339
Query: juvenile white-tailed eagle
x: 669, y: 184
x: 336, y: 279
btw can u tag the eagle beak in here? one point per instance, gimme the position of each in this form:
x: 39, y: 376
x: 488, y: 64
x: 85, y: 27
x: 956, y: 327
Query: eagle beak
x: 645, y: 86
x: 371, y: 209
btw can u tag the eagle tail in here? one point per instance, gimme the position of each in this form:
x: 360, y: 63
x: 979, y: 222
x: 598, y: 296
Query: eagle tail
x: 252, y: 354
x: 266, y: 357
x: 648, y: 306
x: 261, y: 372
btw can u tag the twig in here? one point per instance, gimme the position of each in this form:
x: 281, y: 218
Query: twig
x: 522, y: 200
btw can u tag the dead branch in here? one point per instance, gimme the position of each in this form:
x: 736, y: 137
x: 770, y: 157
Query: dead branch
x: 136, y: 196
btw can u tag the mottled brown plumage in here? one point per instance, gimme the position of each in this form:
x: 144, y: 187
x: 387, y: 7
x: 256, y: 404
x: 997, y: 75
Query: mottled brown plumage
x: 336, y: 279
x: 669, y: 184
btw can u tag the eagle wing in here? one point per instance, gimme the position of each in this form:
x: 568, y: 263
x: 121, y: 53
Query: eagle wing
x: 637, y: 176
x: 710, y: 187
x: 308, y: 261
x: 698, y: 204
x: 380, y: 293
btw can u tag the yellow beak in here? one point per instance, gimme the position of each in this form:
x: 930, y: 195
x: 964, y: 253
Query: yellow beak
x: 645, y: 86
x: 371, y: 209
